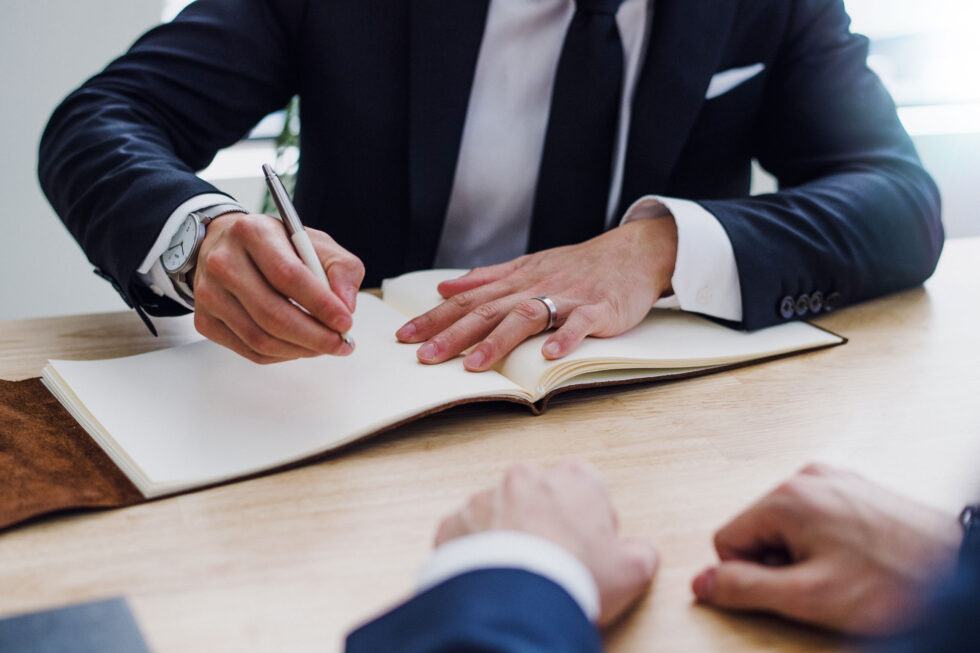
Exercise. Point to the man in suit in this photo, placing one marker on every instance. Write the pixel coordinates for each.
(535, 563)
(595, 155)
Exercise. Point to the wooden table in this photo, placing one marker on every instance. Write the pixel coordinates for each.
(290, 562)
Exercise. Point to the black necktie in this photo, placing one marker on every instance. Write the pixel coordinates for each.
(572, 194)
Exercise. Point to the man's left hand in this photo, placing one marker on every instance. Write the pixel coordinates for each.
(601, 287)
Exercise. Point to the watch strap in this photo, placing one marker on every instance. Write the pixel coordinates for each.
(204, 216)
(970, 521)
(209, 213)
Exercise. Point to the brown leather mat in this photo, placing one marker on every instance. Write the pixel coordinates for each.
(47, 461)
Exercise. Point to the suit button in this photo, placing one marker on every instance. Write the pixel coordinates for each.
(787, 308)
(832, 301)
(816, 302)
(802, 305)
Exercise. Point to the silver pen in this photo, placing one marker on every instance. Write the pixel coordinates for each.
(297, 234)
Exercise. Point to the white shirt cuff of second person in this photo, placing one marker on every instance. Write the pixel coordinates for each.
(151, 272)
(705, 276)
(512, 550)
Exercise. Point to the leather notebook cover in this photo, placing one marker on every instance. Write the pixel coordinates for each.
(48, 463)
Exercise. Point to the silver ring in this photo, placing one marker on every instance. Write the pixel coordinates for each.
(552, 311)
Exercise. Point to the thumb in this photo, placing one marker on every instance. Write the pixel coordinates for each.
(627, 580)
(748, 586)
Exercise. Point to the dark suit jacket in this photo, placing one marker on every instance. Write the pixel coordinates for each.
(502, 610)
(384, 86)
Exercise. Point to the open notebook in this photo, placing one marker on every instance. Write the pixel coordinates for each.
(199, 414)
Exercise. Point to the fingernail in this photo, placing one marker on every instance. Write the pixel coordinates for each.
(550, 350)
(428, 351)
(704, 585)
(475, 360)
(406, 332)
(350, 298)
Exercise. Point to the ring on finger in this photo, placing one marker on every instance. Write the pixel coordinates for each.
(552, 311)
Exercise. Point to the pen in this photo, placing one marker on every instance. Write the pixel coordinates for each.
(297, 234)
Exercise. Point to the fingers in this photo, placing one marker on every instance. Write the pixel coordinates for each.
(636, 563)
(216, 331)
(450, 528)
(446, 314)
(345, 272)
(251, 290)
(778, 522)
(285, 272)
(527, 318)
(269, 320)
(601, 287)
(240, 333)
(583, 321)
(475, 278)
(748, 586)
(497, 327)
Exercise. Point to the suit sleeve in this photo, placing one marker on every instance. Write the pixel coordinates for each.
(951, 623)
(856, 215)
(501, 610)
(119, 154)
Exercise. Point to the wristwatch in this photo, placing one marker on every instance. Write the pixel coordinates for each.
(181, 255)
(970, 521)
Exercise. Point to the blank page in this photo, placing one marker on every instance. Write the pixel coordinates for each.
(200, 413)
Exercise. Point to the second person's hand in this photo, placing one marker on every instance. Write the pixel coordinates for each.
(567, 505)
(830, 548)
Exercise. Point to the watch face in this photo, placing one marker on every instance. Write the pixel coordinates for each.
(181, 245)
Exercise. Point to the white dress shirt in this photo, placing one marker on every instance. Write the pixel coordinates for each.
(489, 214)
(512, 550)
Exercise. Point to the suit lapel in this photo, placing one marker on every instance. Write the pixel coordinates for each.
(684, 51)
(444, 43)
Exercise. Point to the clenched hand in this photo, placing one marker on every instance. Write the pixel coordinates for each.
(254, 295)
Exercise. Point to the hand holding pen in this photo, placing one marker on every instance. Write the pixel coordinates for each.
(297, 232)
(254, 294)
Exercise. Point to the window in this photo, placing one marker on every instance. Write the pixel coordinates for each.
(927, 53)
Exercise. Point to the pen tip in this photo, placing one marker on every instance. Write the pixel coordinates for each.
(349, 340)
(267, 169)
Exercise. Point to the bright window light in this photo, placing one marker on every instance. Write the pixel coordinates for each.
(173, 7)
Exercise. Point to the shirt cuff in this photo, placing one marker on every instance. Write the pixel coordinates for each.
(705, 275)
(512, 550)
(151, 271)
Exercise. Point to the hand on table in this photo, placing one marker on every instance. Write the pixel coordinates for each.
(601, 287)
(833, 549)
(246, 274)
(567, 505)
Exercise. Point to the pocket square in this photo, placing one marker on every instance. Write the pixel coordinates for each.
(726, 80)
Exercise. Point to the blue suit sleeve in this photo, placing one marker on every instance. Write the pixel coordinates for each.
(952, 622)
(856, 215)
(118, 155)
(501, 610)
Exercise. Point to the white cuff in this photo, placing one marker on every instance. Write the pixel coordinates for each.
(151, 271)
(512, 550)
(705, 276)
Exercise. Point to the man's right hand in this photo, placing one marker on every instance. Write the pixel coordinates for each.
(246, 274)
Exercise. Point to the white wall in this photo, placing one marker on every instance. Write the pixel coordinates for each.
(48, 47)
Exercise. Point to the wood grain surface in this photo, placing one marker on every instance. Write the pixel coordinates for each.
(291, 562)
